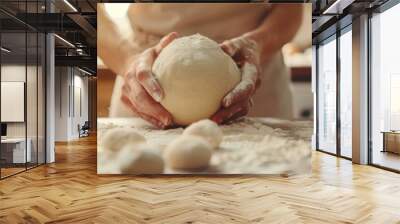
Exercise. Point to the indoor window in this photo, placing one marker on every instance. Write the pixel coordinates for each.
(346, 93)
(385, 88)
(327, 96)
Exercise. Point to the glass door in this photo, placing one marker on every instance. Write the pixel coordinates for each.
(22, 77)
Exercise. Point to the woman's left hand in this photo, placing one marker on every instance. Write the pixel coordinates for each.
(246, 53)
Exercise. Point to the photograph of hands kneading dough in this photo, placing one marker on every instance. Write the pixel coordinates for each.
(204, 88)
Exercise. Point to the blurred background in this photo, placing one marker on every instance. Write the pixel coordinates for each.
(297, 55)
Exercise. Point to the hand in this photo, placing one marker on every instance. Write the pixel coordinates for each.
(141, 92)
(246, 53)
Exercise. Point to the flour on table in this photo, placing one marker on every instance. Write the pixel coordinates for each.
(249, 146)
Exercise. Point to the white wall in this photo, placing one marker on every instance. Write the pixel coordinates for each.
(70, 83)
(33, 127)
(12, 73)
(61, 103)
(80, 84)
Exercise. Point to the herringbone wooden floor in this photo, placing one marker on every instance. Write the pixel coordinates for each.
(69, 191)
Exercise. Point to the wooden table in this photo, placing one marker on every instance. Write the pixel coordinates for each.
(391, 141)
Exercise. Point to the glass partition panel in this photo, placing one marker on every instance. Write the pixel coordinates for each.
(14, 150)
(22, 67)
(327, 96)
(346, 94)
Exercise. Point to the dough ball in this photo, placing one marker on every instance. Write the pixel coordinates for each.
(110, 167)
(195, 75)
(206, 129)
(140, 159)
(188, 152)
(116, 138)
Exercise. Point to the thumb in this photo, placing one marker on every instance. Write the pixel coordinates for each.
(230, 47)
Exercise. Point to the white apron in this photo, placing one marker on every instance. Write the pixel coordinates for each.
(222, 21)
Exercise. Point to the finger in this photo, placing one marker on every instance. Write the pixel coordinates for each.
(226, 114)
(230, 47)
(246, 86)
(144, 67)
(150, 119)
(125, 99)
(145, 76)
(238, 115)
(165, 41)
(145, 104)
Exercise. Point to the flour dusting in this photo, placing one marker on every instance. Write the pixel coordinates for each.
(249, 146)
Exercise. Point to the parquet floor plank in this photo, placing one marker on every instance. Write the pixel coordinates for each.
(70, 191)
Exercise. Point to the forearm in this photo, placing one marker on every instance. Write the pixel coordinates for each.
(113, 48)
(278, 28)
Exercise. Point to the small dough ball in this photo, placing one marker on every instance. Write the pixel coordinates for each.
(206, 129)
(140, 159)
(188, 152)
(116, 138)
(195, 74)
(110, 167)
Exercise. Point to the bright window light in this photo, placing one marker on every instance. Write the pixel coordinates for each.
(5, 50)
(84, 71)
(64, 40)
(70, 5)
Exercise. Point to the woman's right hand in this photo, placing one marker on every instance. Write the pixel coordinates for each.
(141, 92)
